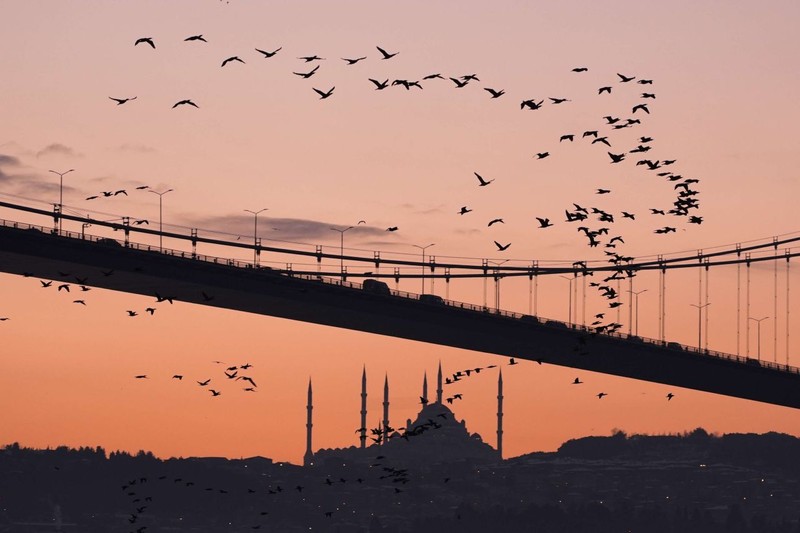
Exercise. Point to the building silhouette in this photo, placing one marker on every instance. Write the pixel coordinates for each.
(433, 435)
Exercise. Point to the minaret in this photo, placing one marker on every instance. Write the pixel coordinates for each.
(385, 408)
(308, 458)
(500, 415)
(363, 436)
(425, 386)
(439, 385)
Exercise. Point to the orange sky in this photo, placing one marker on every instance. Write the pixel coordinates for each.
(725, 109)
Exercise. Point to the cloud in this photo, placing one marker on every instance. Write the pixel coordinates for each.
(57, 149)
(138, 148)
(424, 210)
(8, 160)
(284, 229)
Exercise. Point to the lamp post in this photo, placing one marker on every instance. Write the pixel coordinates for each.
(700, 323)
(341, 248)
(160, 217)
(255, 233)
(570, 279)
(61, 194)
(758, 335)
(636, 304)
(497, 277)
(423, 248)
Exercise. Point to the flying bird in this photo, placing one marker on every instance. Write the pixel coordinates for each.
(603, 191)
(232, 58)
(580, 69)
(391, 228)
(569, 137)
(204, 383)
(121, 101)
(196, 38)
(185, 102)
(643, 107)
(148, 40)
(544, 222)
(483, 182)
(501, 247)
(557, 101)
(670, 396)
(268, 54)
(625, 79)
(142, 376)
(495, 93)
(306, 75)
(459, 83)
(495, 221)
(602, 90)
(616, 158)
(353, 61)
(323, 95)
(81, 302)
(601, 394)
(132, 313)
(311, 58)
(542, 155)
(577, 381)
(385, 54)
(214, 393)
(464, 210)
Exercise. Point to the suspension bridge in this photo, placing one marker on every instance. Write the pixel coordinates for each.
(325, 296)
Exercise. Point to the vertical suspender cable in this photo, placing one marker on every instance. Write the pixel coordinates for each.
(706, 304)
(775, 303)
(747, 305)
(738, 301)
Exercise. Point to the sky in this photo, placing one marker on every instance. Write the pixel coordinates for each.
(725, 110)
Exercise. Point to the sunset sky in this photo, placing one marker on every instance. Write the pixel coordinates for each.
(726, 82)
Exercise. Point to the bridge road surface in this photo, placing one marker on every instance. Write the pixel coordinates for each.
(262, 291)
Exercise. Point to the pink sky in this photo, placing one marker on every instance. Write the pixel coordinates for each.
(725, 109)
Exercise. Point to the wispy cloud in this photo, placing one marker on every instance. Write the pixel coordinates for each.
(57, 149)
(138, 148)
(288, 229)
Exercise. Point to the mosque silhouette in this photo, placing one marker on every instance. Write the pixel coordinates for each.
(435, 435)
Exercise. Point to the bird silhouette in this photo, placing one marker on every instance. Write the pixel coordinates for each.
(379, 86)
(385, 54)
(323, 95)
(81, 302)
(603, 140)
(177, 376)
(132, 313)
(580, 69)
(577, 381)
(602, 90)
(494, 93)
(601, 394)
(196, 38)
(603, 191)
(531, 104)
(269, 54)
(557, 101)
(150, 310)
(643, 107)
(232, 58)
(185, 102)
(147, 40)
(121, 101)
(433, 77)
(306, 75)
(670, 396)
(308, 59)
(464, 210)
(542, 155)
(616, 158)
(204, 383)
(513, 362)
(625, 79)
(64, 287)
(206, 297)
(459, 84)
(501, 248)
(569, 137)
(483, 182)
(353, 61)
(544, 222)
(391, 228)
(142, 376)
(214, 393)
(496, 221)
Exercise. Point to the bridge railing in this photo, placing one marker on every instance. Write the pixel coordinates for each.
(485, 310)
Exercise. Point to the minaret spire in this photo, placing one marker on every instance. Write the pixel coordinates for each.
(308, 458)
(385, 409)
(363, 426)
(425, 386)
(439, 384)
(500, 415)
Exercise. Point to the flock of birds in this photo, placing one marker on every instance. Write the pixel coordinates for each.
(231, 373)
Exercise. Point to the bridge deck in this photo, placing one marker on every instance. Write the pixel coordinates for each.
(327, 302)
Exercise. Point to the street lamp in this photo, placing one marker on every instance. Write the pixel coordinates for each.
(61, 194)
(636, 301)
(160, 217)
(423, 248)
(341, 248)
(699, 323)
(758, 322)
(255, 232)
(497, 277)
(570, 279)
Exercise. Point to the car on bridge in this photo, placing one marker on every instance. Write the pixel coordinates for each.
(375, 286)
(431, 299)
